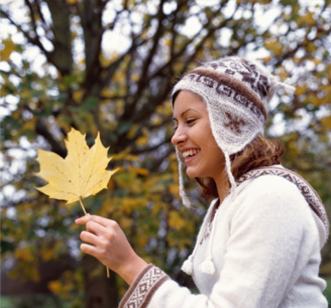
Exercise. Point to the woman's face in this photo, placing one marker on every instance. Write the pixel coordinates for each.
(194, 139)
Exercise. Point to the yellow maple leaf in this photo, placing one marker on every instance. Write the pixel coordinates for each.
(80, 174)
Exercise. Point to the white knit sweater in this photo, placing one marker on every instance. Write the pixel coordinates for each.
(264, 246)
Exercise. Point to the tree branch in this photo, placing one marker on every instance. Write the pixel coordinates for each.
(149, 149)
(61, 56)
(34, 41)
(42, 130)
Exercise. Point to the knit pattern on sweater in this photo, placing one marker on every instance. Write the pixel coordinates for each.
(143, 287)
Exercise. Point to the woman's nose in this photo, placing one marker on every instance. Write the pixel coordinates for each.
(178, 137)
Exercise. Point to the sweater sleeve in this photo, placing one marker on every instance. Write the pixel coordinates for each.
(143, 287)
(272, 238)
(153, 288)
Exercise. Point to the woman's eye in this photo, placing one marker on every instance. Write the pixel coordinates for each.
(190, 121)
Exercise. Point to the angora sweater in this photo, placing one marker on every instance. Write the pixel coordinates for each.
(261, 250)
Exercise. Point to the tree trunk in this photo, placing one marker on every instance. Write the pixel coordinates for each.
(100, 291)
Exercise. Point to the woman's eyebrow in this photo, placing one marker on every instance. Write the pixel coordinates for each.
(183, 113)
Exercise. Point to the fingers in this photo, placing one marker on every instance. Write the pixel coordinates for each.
(90, 240)
(90, 222)
(105, 222)
(96, 234)
(96, 228)
(102, 236)
(94, 245)
(98, 219)
(88, 237)
(91, 250)
(83, 220)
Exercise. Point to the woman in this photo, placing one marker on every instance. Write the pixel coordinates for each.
(259, 245)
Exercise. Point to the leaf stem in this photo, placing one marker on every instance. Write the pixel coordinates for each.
(82, 205)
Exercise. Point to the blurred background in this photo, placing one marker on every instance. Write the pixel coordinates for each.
(109, 66)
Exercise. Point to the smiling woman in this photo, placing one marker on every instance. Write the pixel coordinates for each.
(195, 142)
(259, 244)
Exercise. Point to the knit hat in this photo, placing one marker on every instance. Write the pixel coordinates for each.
(236, 92)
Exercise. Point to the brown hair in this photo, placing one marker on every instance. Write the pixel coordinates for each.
(258, 153)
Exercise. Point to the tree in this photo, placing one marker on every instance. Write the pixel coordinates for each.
(109, 66)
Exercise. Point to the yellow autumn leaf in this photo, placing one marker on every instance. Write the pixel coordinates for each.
(174, 189)
(81, 174)
(78, 95)
(175, 221)
(326, 121)
(142, 241)
(140, 171)
(9, 47)
(55, 286)
(300, 90)
(275, 46)
(24, 253)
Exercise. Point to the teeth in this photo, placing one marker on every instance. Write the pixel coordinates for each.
(190, 153)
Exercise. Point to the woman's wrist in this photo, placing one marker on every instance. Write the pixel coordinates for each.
(132, 269)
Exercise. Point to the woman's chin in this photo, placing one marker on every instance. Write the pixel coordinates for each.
(192, 174)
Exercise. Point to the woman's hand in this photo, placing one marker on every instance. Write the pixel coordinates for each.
(105, 240)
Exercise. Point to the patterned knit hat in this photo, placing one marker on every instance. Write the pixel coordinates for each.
(236, 92)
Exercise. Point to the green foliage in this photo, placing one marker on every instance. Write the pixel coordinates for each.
(35, 300)
(63, 68)
(327, 291)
